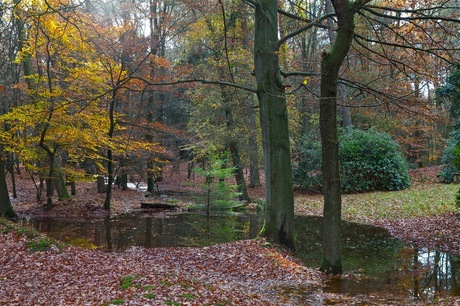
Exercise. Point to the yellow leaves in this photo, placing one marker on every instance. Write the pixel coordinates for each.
(306, 80)
(80, 69)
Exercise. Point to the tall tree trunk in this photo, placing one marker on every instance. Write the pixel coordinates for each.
(254, 174)
(108, 192)
(330, 65)
(279, 218)
(6, 210)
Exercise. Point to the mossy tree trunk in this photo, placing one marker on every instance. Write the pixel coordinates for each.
(59, 180)
(279, 219)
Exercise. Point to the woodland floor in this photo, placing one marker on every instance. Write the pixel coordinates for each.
(240, 273)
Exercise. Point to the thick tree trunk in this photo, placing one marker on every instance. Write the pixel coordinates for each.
(239, 176)
(150, 177)
(6, 210)
(59, 180)
(330, 65)
(100, 184)
(279, 219)
(73, 188)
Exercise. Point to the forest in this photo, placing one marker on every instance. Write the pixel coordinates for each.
(340, 109)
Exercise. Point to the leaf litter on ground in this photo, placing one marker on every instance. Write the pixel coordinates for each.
(239, 273)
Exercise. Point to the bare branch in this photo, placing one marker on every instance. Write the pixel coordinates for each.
(316, 22)
(201, 81)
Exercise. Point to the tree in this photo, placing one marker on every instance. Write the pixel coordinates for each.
(279, 220)
(76, 74)
(345, 12)
(331, 61)
(6, 210)
(219, 113)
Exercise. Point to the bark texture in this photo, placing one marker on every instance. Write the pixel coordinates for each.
(279, 220)
(330, 65)
(6, 210)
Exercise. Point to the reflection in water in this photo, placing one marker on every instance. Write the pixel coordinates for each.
(378, 265)
(149, 229)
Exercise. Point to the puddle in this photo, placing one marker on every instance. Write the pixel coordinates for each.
(376, 264)
(380, 265)
(151, 229)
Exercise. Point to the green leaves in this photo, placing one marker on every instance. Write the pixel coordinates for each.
(369, 160)
(216, 191)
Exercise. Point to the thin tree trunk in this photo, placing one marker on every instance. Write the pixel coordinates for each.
(13, 176)
(50, 183)
(108, 192)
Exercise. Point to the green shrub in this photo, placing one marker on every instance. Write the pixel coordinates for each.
(307, 165)
(369, 160)
(450, 157)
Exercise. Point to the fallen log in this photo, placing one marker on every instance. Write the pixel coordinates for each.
(158, 205)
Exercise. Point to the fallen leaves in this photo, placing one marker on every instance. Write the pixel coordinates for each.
(434, 232)
(240, 273)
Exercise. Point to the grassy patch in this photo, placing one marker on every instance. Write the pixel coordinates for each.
(6, 226)
(36, 242)
(166, 283)
(421, 200)
(117, 302)
(188, 296)
(40, 244)
(127, 281)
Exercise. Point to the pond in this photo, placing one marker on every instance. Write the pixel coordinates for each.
(387, 268)
(378, 264)
(151, 229)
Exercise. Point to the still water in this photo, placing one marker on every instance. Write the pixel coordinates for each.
(151, 229)
(378, 264)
